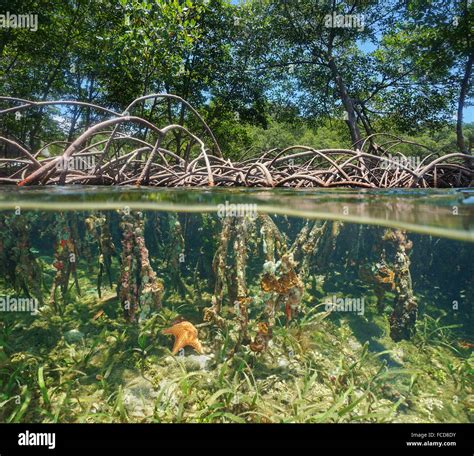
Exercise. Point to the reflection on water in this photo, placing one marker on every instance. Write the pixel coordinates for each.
(442, 212)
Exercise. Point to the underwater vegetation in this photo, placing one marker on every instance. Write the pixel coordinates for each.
(274, 319)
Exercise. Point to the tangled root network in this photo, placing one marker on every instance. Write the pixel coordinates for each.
(125, 149)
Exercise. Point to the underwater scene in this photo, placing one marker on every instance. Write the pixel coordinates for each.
(236, 305)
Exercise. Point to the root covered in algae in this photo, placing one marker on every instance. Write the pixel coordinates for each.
(65, 259)
(391, 274)
(405, 311)
(98, 228)
(139, 288)
(18, 263)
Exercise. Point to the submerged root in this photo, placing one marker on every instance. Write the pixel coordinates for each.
(280, 284)
(285, 282)
(272, 239)
(65, 260)
(405, 309)
(175, 252)
(392, 273)
(219, 267)
(17, 262)
(138, 288)
(242, 228)
(98, 228)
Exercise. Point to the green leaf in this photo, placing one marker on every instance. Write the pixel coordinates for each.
(42, 386)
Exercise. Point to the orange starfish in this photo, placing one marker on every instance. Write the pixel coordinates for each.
(185, 334)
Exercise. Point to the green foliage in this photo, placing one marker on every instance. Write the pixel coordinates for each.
(265, 73)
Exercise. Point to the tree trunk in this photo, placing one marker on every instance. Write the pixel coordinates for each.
(462, 98)
(346, 101)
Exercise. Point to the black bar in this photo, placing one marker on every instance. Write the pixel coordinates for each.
(81, 437)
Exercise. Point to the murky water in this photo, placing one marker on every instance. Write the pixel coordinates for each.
(199, 305)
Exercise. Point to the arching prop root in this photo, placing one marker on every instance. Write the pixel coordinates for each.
(138, 287)
(138, 158)
(144, 158)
